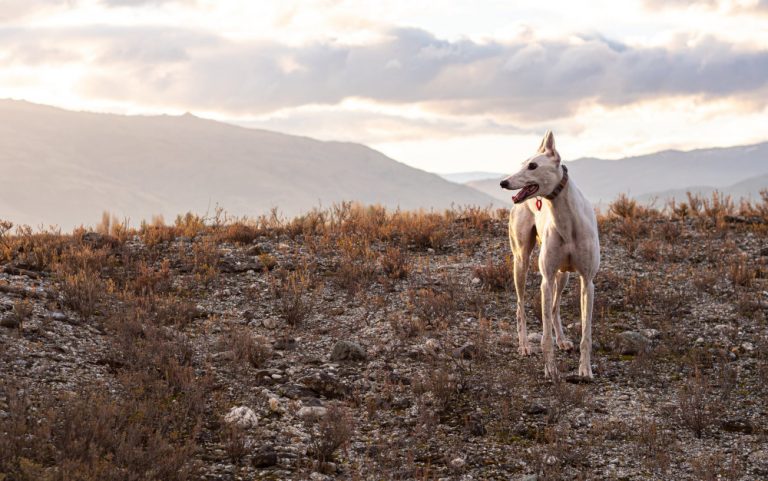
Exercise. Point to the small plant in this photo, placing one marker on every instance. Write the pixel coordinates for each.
(330, 432)
(696, 405)
(247, 348)
(432, 306)
(22, 311)
(496, 276)
(740, 272)
(294, 295)
(395, 263)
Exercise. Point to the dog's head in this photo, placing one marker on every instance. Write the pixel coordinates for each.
(539, 174)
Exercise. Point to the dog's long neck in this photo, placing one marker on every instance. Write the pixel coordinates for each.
(563, 208)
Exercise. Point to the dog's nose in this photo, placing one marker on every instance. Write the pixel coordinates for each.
(504, 184)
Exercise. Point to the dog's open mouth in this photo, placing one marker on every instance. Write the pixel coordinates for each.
(525, 193)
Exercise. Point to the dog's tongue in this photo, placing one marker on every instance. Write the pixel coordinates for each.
(525, 192)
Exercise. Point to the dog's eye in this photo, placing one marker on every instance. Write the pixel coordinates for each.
(532, 165)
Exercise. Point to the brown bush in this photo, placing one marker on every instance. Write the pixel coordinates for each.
(329, 433)
(79, 276)
(496, 276)
(395, 262)
(294, 294)
(247, 348)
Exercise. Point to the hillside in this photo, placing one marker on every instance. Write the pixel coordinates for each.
(747, 189)
(662, 174)
(64, 168)
(380, 346)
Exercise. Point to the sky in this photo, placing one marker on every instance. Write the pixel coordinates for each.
(445, 86)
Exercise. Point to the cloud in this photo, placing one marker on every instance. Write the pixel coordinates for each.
(758, 6)
(13, 10)
(523, 80)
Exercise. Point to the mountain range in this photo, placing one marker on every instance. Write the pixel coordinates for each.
(65, 168)
(740, 171)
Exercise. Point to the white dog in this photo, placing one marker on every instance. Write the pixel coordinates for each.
(550, 206)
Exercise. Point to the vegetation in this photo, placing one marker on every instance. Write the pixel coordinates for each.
(147, 337)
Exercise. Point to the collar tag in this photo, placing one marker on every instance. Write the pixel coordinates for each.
(538, 203)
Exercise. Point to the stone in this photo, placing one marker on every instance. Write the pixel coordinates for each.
(264, 457)
(325, 384)
(652, 334)
(269, 322)
(432, 346)
(312, 412)
(534, 337)
(242, 416)
(9, 320)
(274, 405)
(632, 342)
(348, 351)
(458, 463)
(748, 346)
(738, 426)
(467, 351)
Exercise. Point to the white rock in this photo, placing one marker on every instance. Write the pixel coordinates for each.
(243, 416)
(700, 340)
(269, 322)
(312, 412)
(458, 463)
(534, 337)
(748, 346)
(432, 346)
(475, 280)
(274, 405)
(651, 333)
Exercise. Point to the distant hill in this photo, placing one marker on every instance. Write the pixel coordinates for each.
(746, 189)
(466, 177)
(737, 170)
(65, 168)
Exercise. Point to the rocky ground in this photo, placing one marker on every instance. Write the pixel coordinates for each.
(360, 344)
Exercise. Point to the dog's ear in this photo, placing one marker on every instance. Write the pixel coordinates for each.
(548, 145)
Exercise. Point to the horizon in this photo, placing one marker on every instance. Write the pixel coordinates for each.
(469, 87)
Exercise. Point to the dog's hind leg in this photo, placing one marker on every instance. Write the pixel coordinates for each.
(563, 342)
(587, 299)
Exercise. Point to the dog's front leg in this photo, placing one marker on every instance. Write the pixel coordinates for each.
(587, 299)
(521, 268)
(547, 346)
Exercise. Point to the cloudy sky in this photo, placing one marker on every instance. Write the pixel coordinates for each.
(445, 86)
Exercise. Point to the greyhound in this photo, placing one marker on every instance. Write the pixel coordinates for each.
(565, 224)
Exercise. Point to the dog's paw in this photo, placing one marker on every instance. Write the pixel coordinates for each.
(564, 344)
(585, 371)
(525, 349)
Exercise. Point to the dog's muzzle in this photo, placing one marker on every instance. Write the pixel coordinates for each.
(504, 184)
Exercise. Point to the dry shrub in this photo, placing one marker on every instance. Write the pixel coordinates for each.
(238, 233)
(111, 226)
(235, 442)
(205, 260)
(496, 276)
(441, 383)
(649, 250)
(653, 445)
(22, 311)
(295, 297)
(639, 291)
(716, 208)
(697, 406)
(79, 275)
(395, 263)
(34, 251)
(149, 280)
(357, 264)
(247, 348)
(330, 432)
(190, 225)
(740, 271)
(432, 306)
(156, 232)
(5, 241)
(406, 327)
(623, 207)
(565, 398)
(718, 466)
